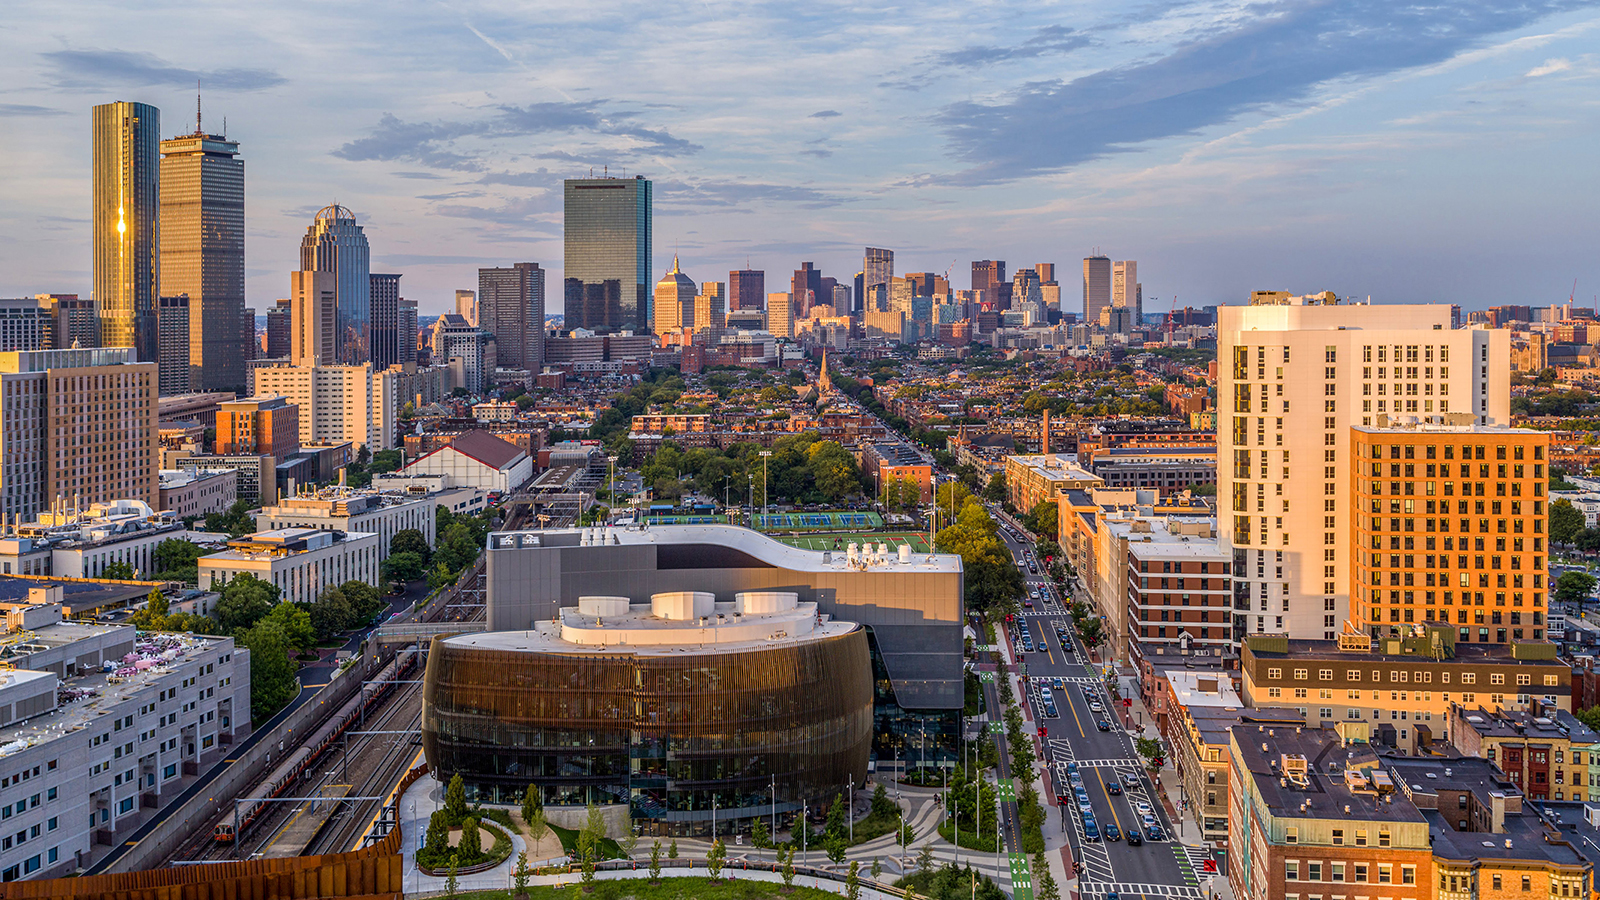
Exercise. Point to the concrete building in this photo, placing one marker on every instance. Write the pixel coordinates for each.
(477, 459)
(266, 424)
(1126, 292)
(172, 342)
(334, 244)
(469, 351)
(202, 255)
(256, 474)
(25, 324)
(780, 315)
(280, 329)
(1033, 479)
(510, 306)
(313, 313)
(1164, 469)
(1203, 709)
(102, 744)
(74, 322)
(1096, 287)
(336, 403)
(384, 291)
(1295, 374)
(1403, 687)
(1175, 585)
(126, 234)
(1541, 750)
(80, 544)
(467, 306)
(301, 562)
(747, 290)
(340, 509)
(197, 492)
(1409, 499)
(888, 461)
(673, 308)
(78, 425)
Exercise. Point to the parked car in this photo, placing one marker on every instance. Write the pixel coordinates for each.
(1091, 831)
(1113, 788)
(1102, 724)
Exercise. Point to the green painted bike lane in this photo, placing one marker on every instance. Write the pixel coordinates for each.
(1021, 877)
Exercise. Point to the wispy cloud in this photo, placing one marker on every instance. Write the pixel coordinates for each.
(119, 68)
(825, 114)
(24, 109)
(1047, 41)
(1550, 67)
(1278, 55)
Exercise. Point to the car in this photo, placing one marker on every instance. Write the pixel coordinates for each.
(1091, 831)
(1085, 808)
(1102, 724)
(1027, 604)
(1058, 684)
(1134, 838)
(1130, 779)
(1143, 809)
(1045, 693)
(1111, 832)
(1113, 788)
(1095, 706)
(1155, 832)
(1033, 569)
(1072, 767)
(1050, 711)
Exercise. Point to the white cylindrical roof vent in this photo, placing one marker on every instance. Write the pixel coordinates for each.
(905, 553)
(850, 552)
(883, 551)
(758, 603)
(603, 606)
(683, 606)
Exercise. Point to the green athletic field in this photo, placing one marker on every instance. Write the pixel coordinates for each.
(918, 542)
(820, 521)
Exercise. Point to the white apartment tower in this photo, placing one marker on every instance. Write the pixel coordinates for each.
(1294, 374)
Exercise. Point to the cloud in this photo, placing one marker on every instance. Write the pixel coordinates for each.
(116, 68)
(825, 114)
(24, 109)
(453, 195)
(1550, 67)
(432, 144)
(540, 178)
(1278, 55)
(430, 176)
(818, 153)
(730, 194)
(1047, 41)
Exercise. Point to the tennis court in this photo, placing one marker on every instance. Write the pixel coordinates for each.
(918, 542)
(687, 520)
(820, 521)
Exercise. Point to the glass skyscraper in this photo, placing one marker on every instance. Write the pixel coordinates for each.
(334, 243)
(127, 234)
(607, 259)
(202, 253)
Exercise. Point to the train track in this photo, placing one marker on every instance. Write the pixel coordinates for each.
(372, 770)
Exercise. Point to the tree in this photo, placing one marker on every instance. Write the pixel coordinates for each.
(331, 613)
(1574, 587)
(404, 567)
(925, 857)
(786, 857)
(1589, 717)
(877, 868)
(455, 799)
(272, 672)
(117, 571)
(1042, 519)
(835, 847)
(1047, 888)
(537, 825)
(882, 806)
(451, 882)
(438, 832)
(521, 875)
(294, 623)
(532, 802)
(672, 849)
(655, 861)
(715, 858)
(588, 854)
(236, 522)
(245, 600)
(852, 881)
(1149, 748)
(1566, 521)
(365, 600)
(471, 844)
(410, 540)
(758, 834)
(995, 490)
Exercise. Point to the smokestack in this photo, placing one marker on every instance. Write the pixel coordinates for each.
(1045, 443)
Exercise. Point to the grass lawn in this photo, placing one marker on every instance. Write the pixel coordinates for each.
(569, 843)
(917, 540)
(876, 826)
(700, 887)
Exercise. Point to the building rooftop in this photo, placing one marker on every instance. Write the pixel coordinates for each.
(1518, 833)
(1302, 772)
(1196, 689)
(1055, 467)
(1464, 653)
(1213, 722)
(1169, 537)
(1452, 423)
(1548, 723)
(280, 543)
(719, 539)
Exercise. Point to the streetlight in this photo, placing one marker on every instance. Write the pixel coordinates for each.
(611, 486)
(765, 455)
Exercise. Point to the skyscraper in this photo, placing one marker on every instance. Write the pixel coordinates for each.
(385, 293)
(335, 244)
(510, 306)
(673, 305)
(1096, 287)
(314, 314)
(202, 252)
(1125, 290)
(710, 308)
(406, 326)
(607, 254)
(126, 214)
(987, 276)
(25, 324)
(467, 306)
(173, 324)
(73, 321)
(805, 286)
(877, 267)
(280, 328)
(747, 289)
(1294, 375)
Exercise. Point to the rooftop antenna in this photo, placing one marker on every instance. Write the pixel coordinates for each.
(197, 106)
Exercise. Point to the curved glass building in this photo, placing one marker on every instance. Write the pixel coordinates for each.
(686, 709)
(335, 243)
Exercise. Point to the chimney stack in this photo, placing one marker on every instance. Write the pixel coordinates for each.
(1045, 441)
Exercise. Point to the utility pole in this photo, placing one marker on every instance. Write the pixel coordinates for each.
(765, 518)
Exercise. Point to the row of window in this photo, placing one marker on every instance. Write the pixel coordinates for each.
(1402, 676)
(1360, 873)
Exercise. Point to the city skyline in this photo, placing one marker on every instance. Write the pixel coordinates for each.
(1343, 148)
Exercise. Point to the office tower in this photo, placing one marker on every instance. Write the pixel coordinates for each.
(25, 324)
(202, 252)
(858, 299)
(1096, 287)
(336, 403)
(1297, 373)
(805, 286)
(280, 328)
(780, 315)
(73, 321)
(256, 425)
(1446, 464)
(76, 425)
(921, 283)
(825, 288)
(877, 267)
(1047, 272)
(674, 301)
(406, 325)
(1125, 289)
(841, 300)
(314, 315)
(710, 308)
(468, 350)
(127, 236)
(467, 306)
(987, 276)
(607, 254)
(384, 291)
(510, 306)
(251, 348)
(334, 244)
(173, 326)
(747, 289)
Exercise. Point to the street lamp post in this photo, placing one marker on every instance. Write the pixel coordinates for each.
(611, 486)
(765, 520)
(774, 810)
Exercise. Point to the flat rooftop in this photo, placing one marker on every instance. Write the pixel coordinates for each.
(1262, 748)
(547, 637)
(1524, 835)
(1055, 467)
(1465, 653)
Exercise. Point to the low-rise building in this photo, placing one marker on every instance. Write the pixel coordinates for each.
(343, 509)
(1201, 710)
(75, 544)
(1403, 687)
(1179, 589)
(257, 475)
(1165, 469)
(301, 562)
(477, 459)
(1546, 753)
(893, 461)
(198, 492)
(1032, 479)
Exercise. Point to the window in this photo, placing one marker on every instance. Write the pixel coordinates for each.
(1313, 871)
(1291, 869)
(1325, 674)
(1291, 835)
(1361, 837)
(1300, 674)
(1383, 838)
(1338, 837)
(1408, 875)
(1385, 873)
(1358, 872)
(1497, 678)
(1274, 674)
(1496, 881)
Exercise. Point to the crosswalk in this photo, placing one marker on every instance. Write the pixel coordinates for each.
(1096, 890)
(1122, 764)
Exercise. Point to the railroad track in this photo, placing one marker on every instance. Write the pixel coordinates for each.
(374, 768)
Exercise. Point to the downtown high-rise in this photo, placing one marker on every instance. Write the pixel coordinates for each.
(385, 297)
(989, 276)
(202, 255)
(126, 240)
(607, 246)
(877, 270)
(334, 244)
(1096, 287)
(747, 289)
(510, 306)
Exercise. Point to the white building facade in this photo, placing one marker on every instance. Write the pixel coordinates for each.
(301, 562)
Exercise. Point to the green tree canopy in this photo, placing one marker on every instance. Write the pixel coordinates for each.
(992, 580)
(1573, 587)
(1566, 521)
(177, 560)
(245, 600)
(272, 672)
(410, 540)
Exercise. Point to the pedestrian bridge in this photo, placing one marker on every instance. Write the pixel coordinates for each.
(423, 632)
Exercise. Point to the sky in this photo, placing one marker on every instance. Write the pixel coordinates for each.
(1412, 153)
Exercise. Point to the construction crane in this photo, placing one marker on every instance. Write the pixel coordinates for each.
(1172, 315)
